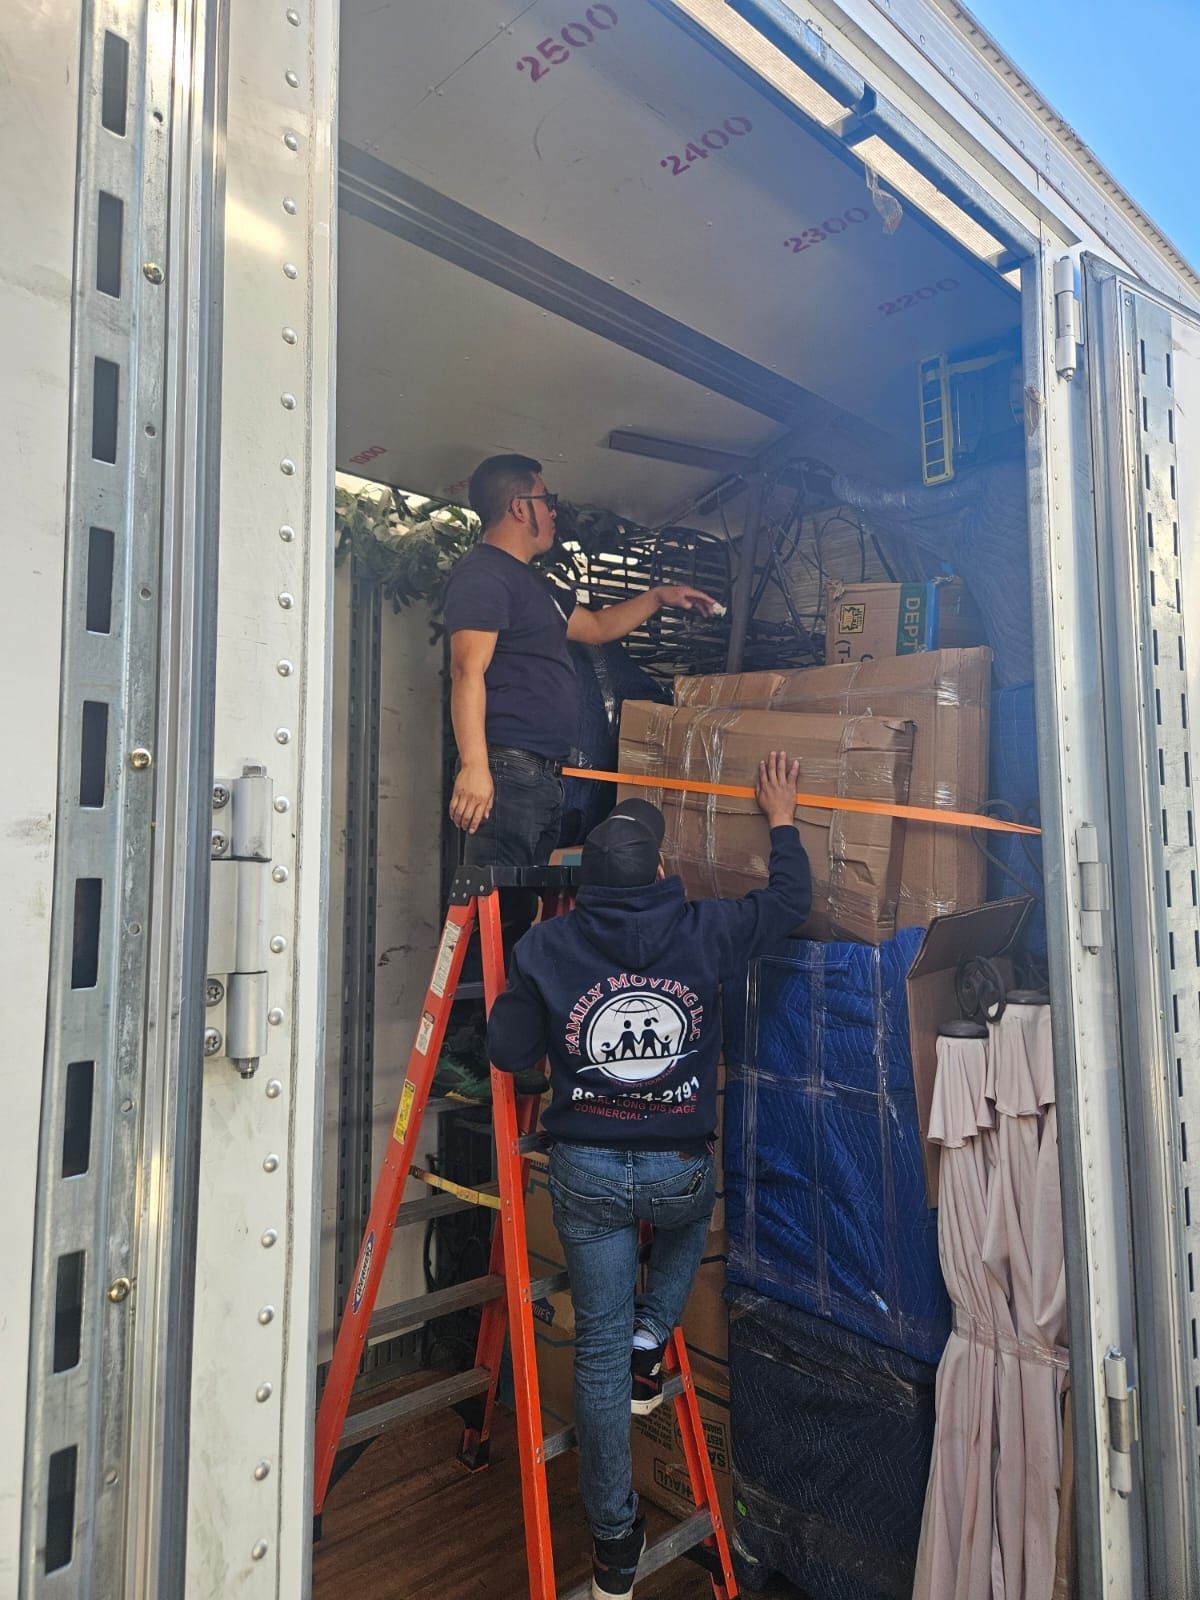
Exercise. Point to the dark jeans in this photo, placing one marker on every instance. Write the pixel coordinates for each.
(521, 831)
(600, 1195)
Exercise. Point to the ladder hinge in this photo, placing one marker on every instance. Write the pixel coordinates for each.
(1067, 328)
(236, 990)
(1094, 896)
(1122, 1422)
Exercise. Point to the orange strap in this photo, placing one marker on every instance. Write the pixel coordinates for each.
(822, 802)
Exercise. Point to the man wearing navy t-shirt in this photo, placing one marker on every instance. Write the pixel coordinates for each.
(513, 696)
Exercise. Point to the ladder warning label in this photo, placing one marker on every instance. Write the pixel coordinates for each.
(407, 1095)
(424, 1032)
(445, 957)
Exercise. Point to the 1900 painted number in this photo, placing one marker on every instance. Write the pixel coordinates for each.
(553, 52)
(906, 302)
(709, 143)
(830, 227)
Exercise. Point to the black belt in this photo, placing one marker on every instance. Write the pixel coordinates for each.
(544, 764)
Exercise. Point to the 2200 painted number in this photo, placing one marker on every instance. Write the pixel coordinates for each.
(712, 141)
(553, 52)
(828, 229)
(906, 302)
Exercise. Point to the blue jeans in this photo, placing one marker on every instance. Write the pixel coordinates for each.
(600, 1195)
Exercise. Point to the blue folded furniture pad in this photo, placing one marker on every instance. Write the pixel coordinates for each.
(825, 1186)
(832, 1436)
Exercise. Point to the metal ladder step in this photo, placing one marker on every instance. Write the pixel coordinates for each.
(442, 1205)
(433, 1397)
(386, 1324)
(557, 1444)
(661, 1553)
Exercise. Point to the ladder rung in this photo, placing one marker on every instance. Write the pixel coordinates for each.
(424, 1307)
(433, 1397)
(540, 1288)
(662, 1552)
(458, 1297)
(557, 1444)
(442, 1205)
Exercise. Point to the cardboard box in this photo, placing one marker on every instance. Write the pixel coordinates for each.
(989, 931)
(660, 1472)
(556, 1379)
(706, 1321)
(867, 621)
(946, 695)
(718, 844)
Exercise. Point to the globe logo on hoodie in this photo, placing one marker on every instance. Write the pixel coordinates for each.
(636, 1038)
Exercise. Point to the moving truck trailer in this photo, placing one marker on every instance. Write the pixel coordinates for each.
(649, 242)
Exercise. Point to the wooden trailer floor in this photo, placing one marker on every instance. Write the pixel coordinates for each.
(408, 1523)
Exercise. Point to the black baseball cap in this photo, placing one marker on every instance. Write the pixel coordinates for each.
(622, 851)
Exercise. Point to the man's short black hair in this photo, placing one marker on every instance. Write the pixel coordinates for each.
(497, 482)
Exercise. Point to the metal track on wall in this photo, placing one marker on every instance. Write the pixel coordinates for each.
(1139, 420)
(358, 941)
(74, 1515)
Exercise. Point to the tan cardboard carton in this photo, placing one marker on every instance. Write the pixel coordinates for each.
(870, 621)
(946, 695)
(660, 1472)
(719, 844)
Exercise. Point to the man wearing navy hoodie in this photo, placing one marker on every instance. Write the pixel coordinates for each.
(621, 996)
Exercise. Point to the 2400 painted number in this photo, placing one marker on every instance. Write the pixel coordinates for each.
(709, 143)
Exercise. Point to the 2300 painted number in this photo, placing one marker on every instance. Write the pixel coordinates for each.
(827, 230)
(906, 302)
(553, 52)
(709, 143)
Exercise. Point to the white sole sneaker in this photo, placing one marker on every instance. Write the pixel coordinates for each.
(643, 1408)
(618, 1594)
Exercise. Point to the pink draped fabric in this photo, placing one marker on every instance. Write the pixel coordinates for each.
(991, 1511)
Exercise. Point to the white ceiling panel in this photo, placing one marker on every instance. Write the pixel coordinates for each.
(438, 369)
(579, 156)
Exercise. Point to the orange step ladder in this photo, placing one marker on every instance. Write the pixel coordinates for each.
(506, 1292)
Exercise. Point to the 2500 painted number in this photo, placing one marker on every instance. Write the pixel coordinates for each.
(552, 52)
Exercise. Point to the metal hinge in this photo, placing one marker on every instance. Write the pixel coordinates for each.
(1094, 896)
(236, 990)
(1067, 335)
(1122, 1422)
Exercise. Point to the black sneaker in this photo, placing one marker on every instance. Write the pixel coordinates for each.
(615, 1563)
(647, 1379)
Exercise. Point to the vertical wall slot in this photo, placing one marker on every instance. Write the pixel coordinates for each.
(101, 552)
(68, 1311)
(85, 951)
(93, 753)
(77, 1118)
(110, 223)
(106, 399)
(114, 90)
(60, 1509)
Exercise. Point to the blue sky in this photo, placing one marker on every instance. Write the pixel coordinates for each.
(1126, 75)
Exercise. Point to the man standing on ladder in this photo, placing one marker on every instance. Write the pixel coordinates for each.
(513, 698)
(633, 1133)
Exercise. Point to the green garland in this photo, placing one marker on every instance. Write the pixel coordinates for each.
(409, 546)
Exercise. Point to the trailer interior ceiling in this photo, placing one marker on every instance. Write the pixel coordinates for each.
(565, 220)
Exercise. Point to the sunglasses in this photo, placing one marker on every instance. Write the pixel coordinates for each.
(550, 499)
